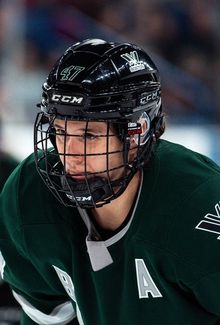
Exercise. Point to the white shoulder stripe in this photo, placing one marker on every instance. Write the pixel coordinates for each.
(61, 315)
(2, 265)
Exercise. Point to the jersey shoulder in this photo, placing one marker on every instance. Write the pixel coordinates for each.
(7, 165)
(25, 199)
(181, 159)
(177, 174)
(181, 172)
(183, 193)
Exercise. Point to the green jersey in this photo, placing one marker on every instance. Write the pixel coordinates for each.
(7, 165)
(162, 267)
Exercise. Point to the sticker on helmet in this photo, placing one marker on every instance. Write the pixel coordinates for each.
(134, 128)
(139, 131)
(71, 72)
(133, 60)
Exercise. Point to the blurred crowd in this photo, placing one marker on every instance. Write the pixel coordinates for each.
(186, 34)
(181, 35)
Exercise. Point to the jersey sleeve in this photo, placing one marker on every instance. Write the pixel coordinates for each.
(40, 301)
(195, 241)
(207, 230)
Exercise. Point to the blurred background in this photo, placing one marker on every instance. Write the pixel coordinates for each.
(182, 36)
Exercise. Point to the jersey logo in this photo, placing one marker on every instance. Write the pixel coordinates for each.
(211, 222)
(71, 72)
(133, 60)
(145, 283)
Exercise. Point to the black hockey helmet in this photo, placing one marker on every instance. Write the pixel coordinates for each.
(95, 80)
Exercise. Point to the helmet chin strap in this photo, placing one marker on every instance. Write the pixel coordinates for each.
(87, 193)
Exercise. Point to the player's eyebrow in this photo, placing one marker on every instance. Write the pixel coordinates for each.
(57, 125)
(94, 129)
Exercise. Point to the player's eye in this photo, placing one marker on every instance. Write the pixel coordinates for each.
(89, 136)
(60, 131)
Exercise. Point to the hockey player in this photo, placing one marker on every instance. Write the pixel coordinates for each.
(122, 227)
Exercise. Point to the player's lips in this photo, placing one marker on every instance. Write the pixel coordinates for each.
(78, 175)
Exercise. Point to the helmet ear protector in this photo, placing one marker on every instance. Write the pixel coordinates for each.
(98, 81)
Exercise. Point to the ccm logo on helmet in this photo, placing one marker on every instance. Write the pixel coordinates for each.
(148, 97)
(66, 99)
(79, 198)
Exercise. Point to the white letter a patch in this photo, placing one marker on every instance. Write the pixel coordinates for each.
(145, 282)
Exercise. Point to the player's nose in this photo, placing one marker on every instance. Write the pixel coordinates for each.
(74, 155)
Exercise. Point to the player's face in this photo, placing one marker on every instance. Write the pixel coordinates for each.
(83, 148)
